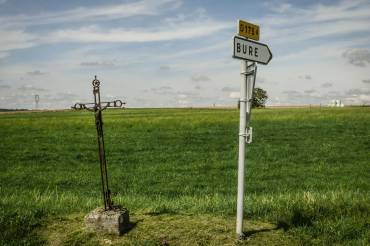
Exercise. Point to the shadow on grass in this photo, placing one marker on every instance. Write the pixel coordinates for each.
(131, 225)
(161, 212)
(250, 233)
(297, 218)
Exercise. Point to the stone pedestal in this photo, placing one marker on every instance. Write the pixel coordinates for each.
(115, 221)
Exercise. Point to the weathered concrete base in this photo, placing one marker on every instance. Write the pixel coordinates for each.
(115, 221)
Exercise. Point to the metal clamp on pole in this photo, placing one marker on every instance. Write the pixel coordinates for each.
(244, 100)
(251, 65)
(243, 131)
(250, 70)
(249, 73)
(248, 133)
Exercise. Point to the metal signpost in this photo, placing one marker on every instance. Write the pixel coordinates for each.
(97, 107)
(246, 50)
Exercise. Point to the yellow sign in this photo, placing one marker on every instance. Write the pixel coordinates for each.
(248, 30)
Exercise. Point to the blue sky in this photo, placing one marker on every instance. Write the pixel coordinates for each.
(177, 53)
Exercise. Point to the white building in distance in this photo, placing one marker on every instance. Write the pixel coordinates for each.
(336, 103)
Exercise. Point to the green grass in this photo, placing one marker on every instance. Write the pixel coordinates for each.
(307, 176)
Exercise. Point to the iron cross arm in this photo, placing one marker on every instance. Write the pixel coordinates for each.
(101, 107)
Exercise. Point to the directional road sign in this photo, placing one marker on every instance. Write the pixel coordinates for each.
(248, 30)
(249, 50)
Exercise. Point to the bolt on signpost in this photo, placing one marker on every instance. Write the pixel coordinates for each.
(246, 50)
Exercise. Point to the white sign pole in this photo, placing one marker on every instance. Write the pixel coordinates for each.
(242, 141)
(246, 50)
(248, 74)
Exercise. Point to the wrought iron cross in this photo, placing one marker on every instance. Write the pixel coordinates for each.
(97, 107)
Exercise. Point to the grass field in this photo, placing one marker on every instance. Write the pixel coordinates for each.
(307, 176)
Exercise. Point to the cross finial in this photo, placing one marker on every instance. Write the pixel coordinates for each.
(96, 83)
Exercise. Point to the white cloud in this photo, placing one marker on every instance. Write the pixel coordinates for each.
(306, 77)
(288, 34)
(183, 30)
(228, 89)
(357, 57)
(344, 10)
(183, 103)
(193, 25)
(3, 54)
(31, 88)
(164, 67)
(97, 64)
(292, 24)
(15, 39)
(357, 99)
(201, 77)
(36, 73)
(234, 94)
(91, 13)
(327, 85)
(5, 86)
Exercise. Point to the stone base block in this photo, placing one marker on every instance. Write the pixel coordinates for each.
(114, 221)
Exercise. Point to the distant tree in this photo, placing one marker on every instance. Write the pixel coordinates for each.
(259, 98)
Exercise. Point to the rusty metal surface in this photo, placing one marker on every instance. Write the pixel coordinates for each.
(97, 107)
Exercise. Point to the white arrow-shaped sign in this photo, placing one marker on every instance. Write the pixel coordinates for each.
(246, 49)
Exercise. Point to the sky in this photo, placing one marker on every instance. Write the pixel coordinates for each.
(177, 53)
